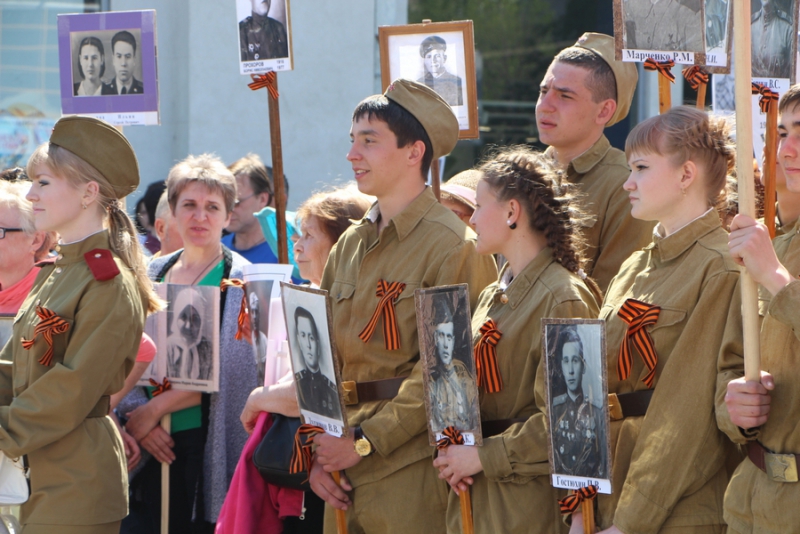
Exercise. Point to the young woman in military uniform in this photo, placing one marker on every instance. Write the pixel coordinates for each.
(673, 330)
(522, 214)
(76, 335)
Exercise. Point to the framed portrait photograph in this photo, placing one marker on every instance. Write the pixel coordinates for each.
(265, 36)
(660, 29)
(186, 338)
(448, 364)
(440, 55)
(314, 363)
(6, 327)
(107, 66)
(718, 24)
(577, 402)
(773, 45)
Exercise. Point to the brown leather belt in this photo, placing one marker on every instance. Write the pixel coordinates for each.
(101, 408)
(498, 426)
(373, 390)
(778, 467)
(624, 405)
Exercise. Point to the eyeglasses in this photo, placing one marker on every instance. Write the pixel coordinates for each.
(240, 200)
(4, 230)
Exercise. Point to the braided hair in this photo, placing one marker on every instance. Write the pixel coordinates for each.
(527, 176)
(685, 133)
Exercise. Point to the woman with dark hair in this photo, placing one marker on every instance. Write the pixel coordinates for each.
(91, 65)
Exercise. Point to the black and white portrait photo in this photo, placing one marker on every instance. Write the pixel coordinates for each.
(773, 31)
(451, 395)
(107, 62)
(258, 301)
(439, 55)
(313, 364)
(6, 326)
(190, 333)
(577, 398)
(663, 25)
(264, 35)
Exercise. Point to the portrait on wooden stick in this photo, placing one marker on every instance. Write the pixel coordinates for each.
(445, 344)
(773, 40)
(440, 55)
(265, 36)
(577, 393)
(314, 363)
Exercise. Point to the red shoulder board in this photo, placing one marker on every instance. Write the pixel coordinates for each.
(102, 264)
(47, 261)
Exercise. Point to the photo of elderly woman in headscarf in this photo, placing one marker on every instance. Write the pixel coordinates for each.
(91, 66)
(190, 352)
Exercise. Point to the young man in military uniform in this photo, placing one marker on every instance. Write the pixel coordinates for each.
(763, 492)
(316, 392)
(261, 36)
(585, 90)
(432, 51)
(771, 39)
(406, 241)
(578, 435)
(123, 54)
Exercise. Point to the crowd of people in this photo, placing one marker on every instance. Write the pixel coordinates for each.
(640, 238)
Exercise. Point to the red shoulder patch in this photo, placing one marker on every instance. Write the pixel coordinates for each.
(47, 261)
(102, 264)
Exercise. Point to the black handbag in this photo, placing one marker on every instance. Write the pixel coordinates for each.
(274, 454)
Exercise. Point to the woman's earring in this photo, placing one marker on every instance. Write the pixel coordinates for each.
(84, 206)
(511, 225)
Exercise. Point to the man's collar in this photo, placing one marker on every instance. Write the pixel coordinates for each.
(407, 219)
(589, 159)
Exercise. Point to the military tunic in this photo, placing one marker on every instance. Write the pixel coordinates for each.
(610, 232)
(315, 390)
(454, 393)
(447, 85)
(513, 492)
(668, 467)
(771, 44)
(753, 502)
(262, 37)
(110, 88)
(78, 471)
(579, 441)
(424, 246)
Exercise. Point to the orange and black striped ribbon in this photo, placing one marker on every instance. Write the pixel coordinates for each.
(768, 98)
(243, 330)
(49, 324)
(638, 315)
(661, 66)
(265, 80)
(452, 436)
(301, 452)
(166, 385)
(387, 293)
(572, 502)
(695, 76)
(487, 370)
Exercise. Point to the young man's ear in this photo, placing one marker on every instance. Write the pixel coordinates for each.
(607, 110)
(416, 153)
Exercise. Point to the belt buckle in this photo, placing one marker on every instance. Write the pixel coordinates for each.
(781, 467)
(350, 392)
(614, 407)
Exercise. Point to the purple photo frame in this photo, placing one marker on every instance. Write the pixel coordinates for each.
(122, 110)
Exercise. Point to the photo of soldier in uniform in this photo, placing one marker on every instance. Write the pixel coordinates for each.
(716, 23)
(433, 51)
(258, 300)
(773, 28)
(577, 414)
(451, 395)
(314, 363)
(663, 25)
(190, 333)
(125, 60)
(106, 62)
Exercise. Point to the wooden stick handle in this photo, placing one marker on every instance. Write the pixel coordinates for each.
(341, 520)
(587, 508)
(435, 180)
(770, 163)
(664, 95)
(701, 96)
(166, 423)
(277, 174)
(466, 512)
(744, 173)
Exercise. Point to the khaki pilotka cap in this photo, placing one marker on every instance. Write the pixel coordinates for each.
(625, 73)
(430, 110)
(462, 187)
(103, 147)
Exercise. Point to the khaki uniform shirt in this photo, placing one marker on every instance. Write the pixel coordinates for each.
(513, 493)
(668, 467)
(78, 471)
(610, 232)
(424, 246)
(753, 502)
